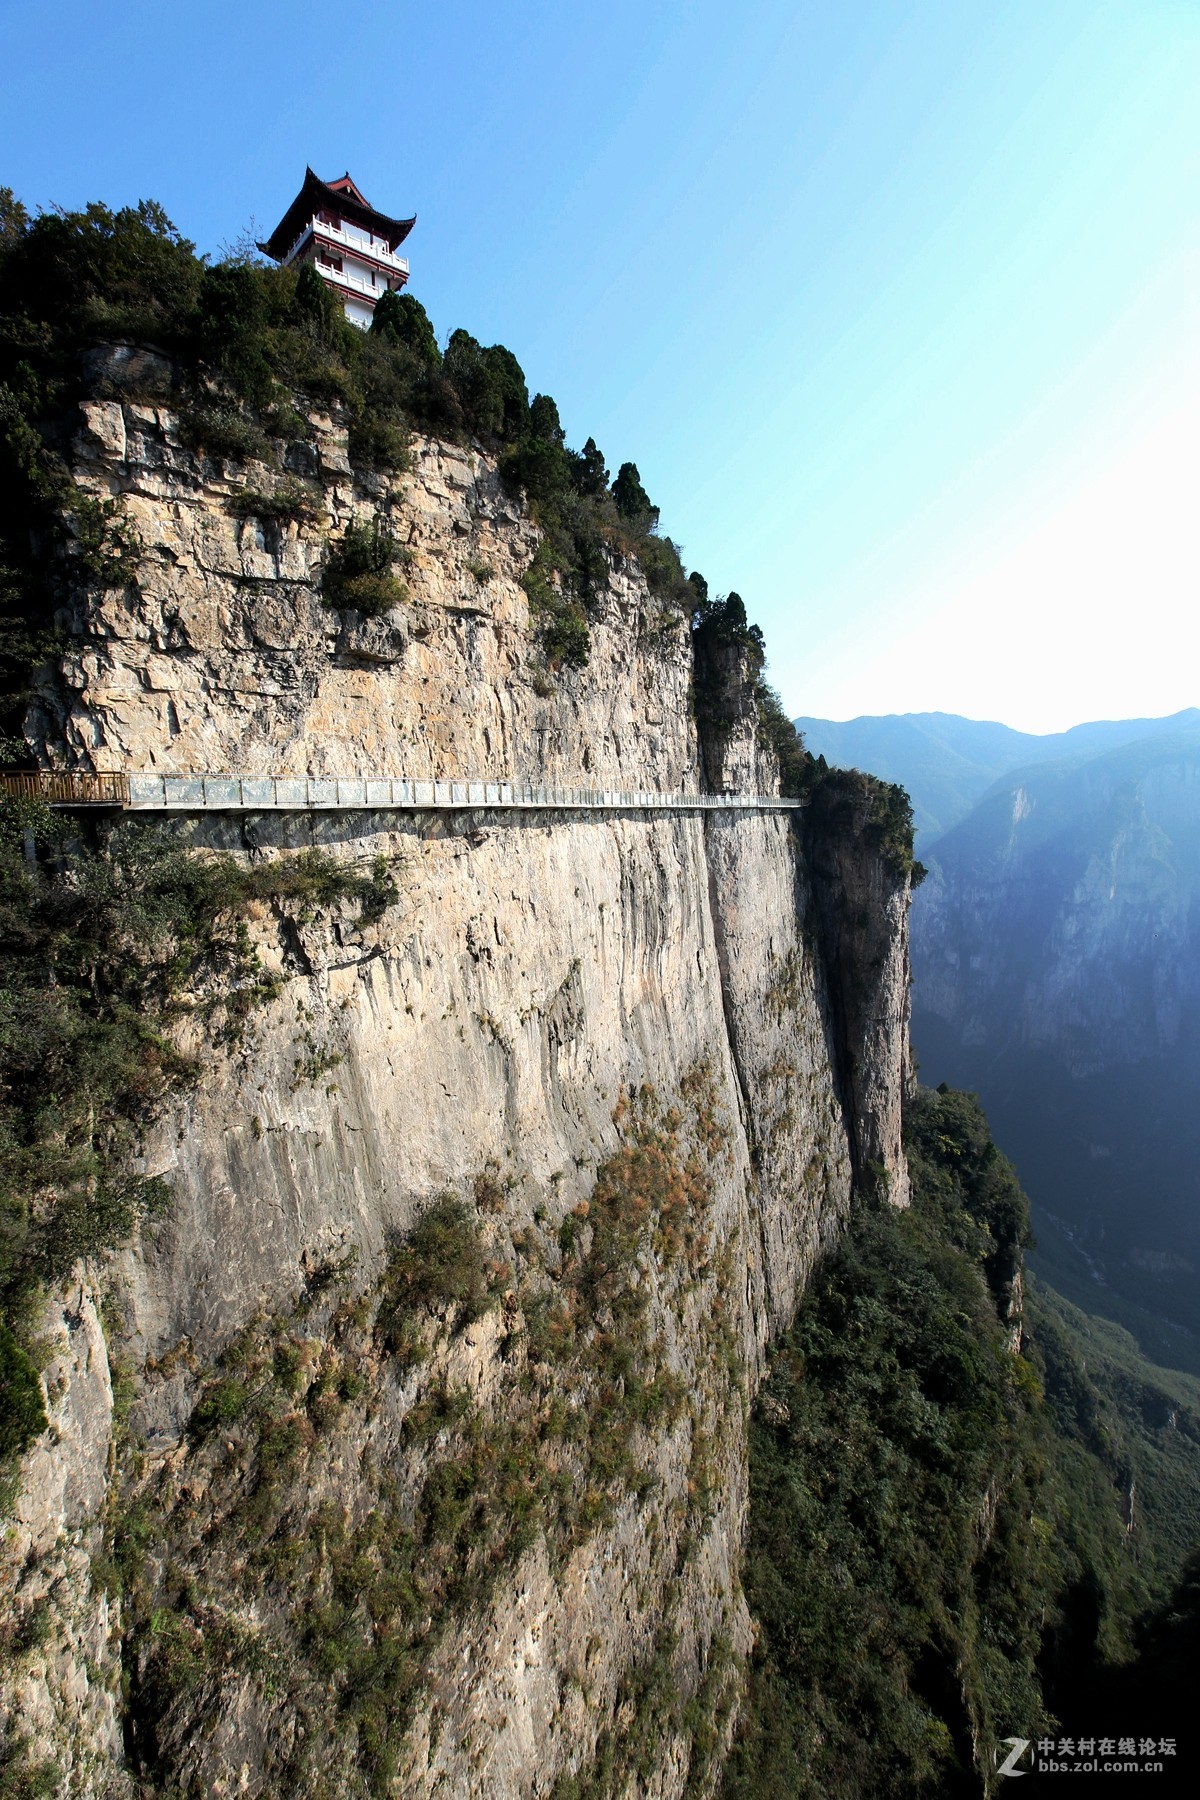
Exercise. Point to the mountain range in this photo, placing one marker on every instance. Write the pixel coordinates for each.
(947, 763)
(1056, 963)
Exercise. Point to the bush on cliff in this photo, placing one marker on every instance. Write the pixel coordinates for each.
(401, 319)
(960, 1569)
(359, 571)
(102, 948)
(850, 800)
(866, 1570)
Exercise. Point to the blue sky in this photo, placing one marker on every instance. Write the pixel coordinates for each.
(895, 306)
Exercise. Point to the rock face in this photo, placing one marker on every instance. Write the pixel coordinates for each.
(861, 917)
(228, 661)
(364, 1522)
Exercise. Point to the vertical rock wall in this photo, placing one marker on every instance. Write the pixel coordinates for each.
(862, 894)
(338, 1536)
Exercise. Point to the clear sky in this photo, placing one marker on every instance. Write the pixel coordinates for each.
(894, 305)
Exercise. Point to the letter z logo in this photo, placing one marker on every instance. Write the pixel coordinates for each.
(1019, 1747)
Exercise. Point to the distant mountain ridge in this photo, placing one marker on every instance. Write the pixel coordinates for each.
(947, 762)
(1056, 958)
(1056, 962)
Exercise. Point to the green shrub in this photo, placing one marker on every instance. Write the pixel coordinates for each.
(107, 548)
(221, 1405)
(22, 1776)
(222, 429)
(848, 799)
(291, 499)
(318, 308)
(359, 571)
(441, 1263)
(401, 319)
(22, 1412)
(380, 443)
(557, 616)
(777, 731)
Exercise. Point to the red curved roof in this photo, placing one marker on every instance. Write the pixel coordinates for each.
(341, 197)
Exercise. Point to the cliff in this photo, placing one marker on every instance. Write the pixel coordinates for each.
(407, 1451)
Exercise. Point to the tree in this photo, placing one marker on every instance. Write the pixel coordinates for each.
(491, 386)
(544, 422)
(632, 500)
(231, 328)
(129, 269)
(317, 304)
(14, 220)
(588, 471)
(401, 319)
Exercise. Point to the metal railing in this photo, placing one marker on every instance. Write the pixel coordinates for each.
(268, 793)
(360, 793)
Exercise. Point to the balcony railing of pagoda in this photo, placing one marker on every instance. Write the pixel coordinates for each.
(349, 242)
(343, 278)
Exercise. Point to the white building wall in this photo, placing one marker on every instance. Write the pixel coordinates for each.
(357, 285)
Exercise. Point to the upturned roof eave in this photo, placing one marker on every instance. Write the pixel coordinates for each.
(316, 194)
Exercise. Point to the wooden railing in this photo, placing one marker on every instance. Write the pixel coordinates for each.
(66, 790)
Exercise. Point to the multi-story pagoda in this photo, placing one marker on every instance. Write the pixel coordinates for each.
(351, 246)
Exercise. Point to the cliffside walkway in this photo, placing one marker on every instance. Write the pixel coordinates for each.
(357, 793)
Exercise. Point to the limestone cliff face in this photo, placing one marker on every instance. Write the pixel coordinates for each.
(862, 899)
(347, 1531)
(227, 659)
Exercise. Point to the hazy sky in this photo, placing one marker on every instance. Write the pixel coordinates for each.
(895, 306)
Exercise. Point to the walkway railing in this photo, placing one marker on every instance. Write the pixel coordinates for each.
(66, 790)
(353, 793)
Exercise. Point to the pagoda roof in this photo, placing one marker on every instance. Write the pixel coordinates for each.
(342, 197)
